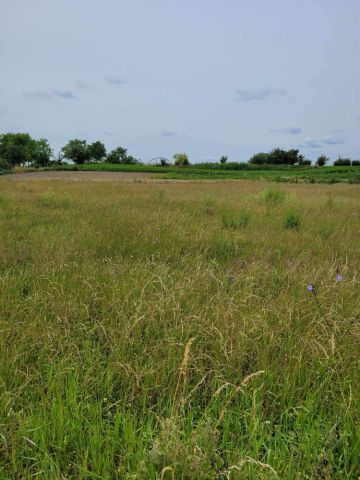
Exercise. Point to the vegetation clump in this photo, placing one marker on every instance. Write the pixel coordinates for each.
(273, 196)
(292, 221)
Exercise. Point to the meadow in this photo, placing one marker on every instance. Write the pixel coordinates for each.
(186, 330)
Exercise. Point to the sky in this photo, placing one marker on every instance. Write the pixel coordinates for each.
(205, 77)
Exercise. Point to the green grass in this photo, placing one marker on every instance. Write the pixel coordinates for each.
(160, 331)
(274, 173)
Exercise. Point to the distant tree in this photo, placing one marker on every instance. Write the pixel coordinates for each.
(164, 162)
(223, 159)
(278, 156)
(16, 148)
(322, 160)
(301, 159)
(118, 155)
(131, 160)
(41, 153)
(292, 157)
(181, 160)
(77, 151)
(355, 163)
(342, 162)
(306, 162)
(259, 158)
(97, 151)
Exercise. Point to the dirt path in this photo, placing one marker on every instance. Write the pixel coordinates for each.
(79, 176)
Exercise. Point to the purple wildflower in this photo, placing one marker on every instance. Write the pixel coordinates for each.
(339, 277)
(310, 288)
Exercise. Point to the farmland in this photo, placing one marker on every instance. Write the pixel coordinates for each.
(275, 173)
(179, 330)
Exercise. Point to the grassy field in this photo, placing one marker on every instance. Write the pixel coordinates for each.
(275, 173)
(165, 331)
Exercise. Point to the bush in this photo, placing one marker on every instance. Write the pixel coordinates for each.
(273, 196)
(355, 163)
(292, 221)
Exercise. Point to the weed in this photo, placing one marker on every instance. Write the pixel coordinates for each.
(235, 221)
(292, 221)
(273, 196)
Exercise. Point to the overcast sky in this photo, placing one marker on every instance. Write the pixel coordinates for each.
(207, 77)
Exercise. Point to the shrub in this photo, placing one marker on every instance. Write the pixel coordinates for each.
(355, 163)
(292, 221)
(273, 196)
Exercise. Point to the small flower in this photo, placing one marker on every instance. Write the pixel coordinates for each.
(310, 288)
(339, 277)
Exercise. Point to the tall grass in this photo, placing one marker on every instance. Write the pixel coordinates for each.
(126, 352)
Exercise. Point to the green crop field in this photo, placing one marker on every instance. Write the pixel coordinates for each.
(204, 330)
(277, 173)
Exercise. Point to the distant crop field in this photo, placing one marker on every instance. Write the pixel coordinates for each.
(179, 330)
(276, 173)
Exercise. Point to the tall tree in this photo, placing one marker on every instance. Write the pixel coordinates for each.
(97, 151)
(77, 151)
(118, 155)
(181, 160)
(41, 153)
(321, 161)
(16, 148)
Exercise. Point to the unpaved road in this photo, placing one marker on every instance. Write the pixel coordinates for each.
(80, 176)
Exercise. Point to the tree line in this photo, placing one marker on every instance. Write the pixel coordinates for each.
(20, 149)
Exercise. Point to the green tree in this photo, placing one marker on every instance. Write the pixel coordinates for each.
(321, 161)
(41, 153)
(278, 156)
(292, 157)
(97, 151)
(118, 155)
(131, 160)
(259, 158)
(223, 159)
(181, 160)
(16, 148)
(77, 151)
(342, 162)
